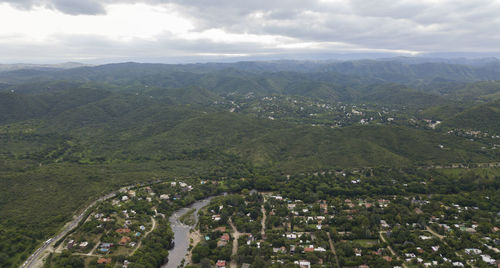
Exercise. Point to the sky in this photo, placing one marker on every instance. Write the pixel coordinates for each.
(52, 31)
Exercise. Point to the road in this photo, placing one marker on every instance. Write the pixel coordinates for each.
(36, 259)
(332, 247)
(236, 235)
(390, 249)
(434, 233)
(145, 235)
(263, 222)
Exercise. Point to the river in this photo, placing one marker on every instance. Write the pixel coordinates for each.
(181, 233)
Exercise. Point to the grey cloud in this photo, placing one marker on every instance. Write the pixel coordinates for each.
(71, 7)
(447, 25)
(79, 7)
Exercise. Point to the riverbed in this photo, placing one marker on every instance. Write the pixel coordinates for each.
(181, 233)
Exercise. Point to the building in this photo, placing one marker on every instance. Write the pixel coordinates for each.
(224, 237)
(124, 240)
(104, 261)
(303, 263)
(221, 264)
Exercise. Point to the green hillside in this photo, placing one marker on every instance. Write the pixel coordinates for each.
(484, 117)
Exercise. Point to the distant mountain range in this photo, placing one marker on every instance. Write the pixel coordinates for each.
(21, 66)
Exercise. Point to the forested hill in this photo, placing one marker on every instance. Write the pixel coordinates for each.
(105, 125)
(484, 117)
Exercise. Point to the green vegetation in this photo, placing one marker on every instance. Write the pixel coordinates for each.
(68, 137)
(188, 218)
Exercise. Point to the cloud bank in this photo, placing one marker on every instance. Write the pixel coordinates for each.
(68, 29)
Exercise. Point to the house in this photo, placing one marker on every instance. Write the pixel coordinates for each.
(279, 250)
(410, 255)
(104, 261)
(291, 236)
(221, 264)
(106, 245)
(124, 240)
(164, 197)
(71, 243)
(311, 249)
(216, 217)
(303, 263)
(387, 258)
(488, 259)
(124, 198)
(224, 237)
(221, 243)
(83, 244)
(474, 251)
(383, 203)
(123, 230)
(357, 252)
(378, 252)
(142, 227)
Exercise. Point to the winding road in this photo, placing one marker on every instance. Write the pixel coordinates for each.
(145, 235)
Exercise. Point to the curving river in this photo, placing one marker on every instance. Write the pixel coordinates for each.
(181, 233)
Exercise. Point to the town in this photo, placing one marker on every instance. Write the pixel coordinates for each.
(340, 218)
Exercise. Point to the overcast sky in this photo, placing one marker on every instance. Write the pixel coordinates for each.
(118, 30)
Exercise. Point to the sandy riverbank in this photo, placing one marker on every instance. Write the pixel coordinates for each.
(195, 238)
